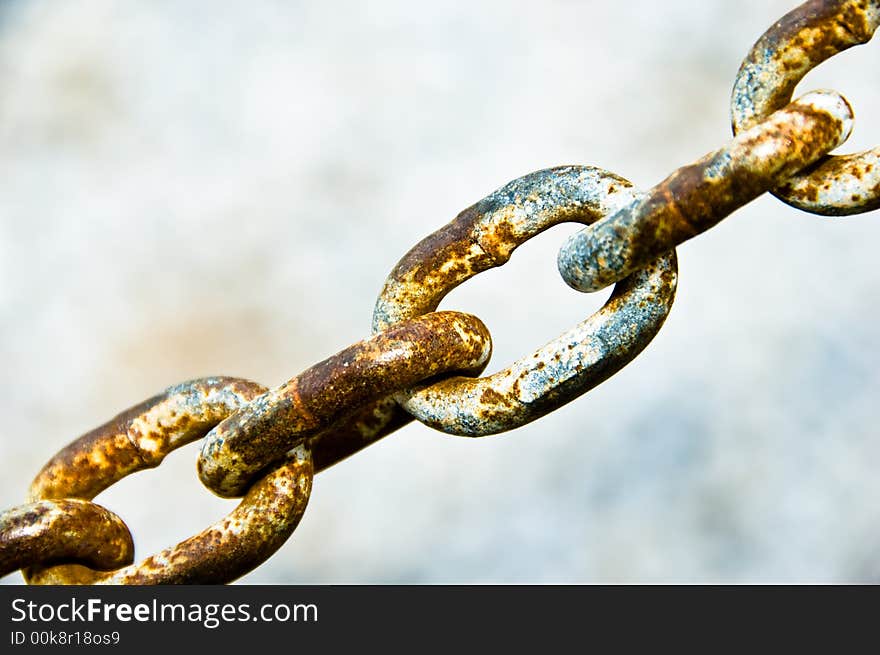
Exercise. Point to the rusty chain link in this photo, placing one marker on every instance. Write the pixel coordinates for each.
(799, 41)
(485, 236)
(266, 445)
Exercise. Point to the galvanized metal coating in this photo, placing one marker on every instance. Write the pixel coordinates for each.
(331, 391)
(696, 197)
(793, 46)
(55, 531)
(484, 236)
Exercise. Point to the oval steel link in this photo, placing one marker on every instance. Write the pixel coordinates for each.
(694, 198)
(54, 531)
(484, 236)
(140, 438)
(331, 391)
(836, 185)
(236, 544)
(143, 435)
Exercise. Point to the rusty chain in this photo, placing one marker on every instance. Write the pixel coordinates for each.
(265, 445)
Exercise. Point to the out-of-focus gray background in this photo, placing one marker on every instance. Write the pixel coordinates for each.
(221, 188)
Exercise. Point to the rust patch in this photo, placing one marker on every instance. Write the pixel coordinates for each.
(497, 225)
(57, 531)
(792, 47)
(262, 522)
(244, 444)
(141, 437)
(696, 197)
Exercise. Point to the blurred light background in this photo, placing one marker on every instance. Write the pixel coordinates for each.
(193, 189)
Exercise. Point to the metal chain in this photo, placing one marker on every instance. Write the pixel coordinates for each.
(265, 445)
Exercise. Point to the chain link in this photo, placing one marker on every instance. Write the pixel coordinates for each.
(265, 445)
(259, 434)
(484, 236)
(59, 530)
(267, 515)
(696, 197)
(798, 42)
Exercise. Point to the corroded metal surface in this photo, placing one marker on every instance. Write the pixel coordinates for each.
(54, 531)
(484, 236)
(356, 432)
(141, 436)
(696, 197)
(794, 45)
(67, 530)
(267, 445)
(332, 390)
(243, 540)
